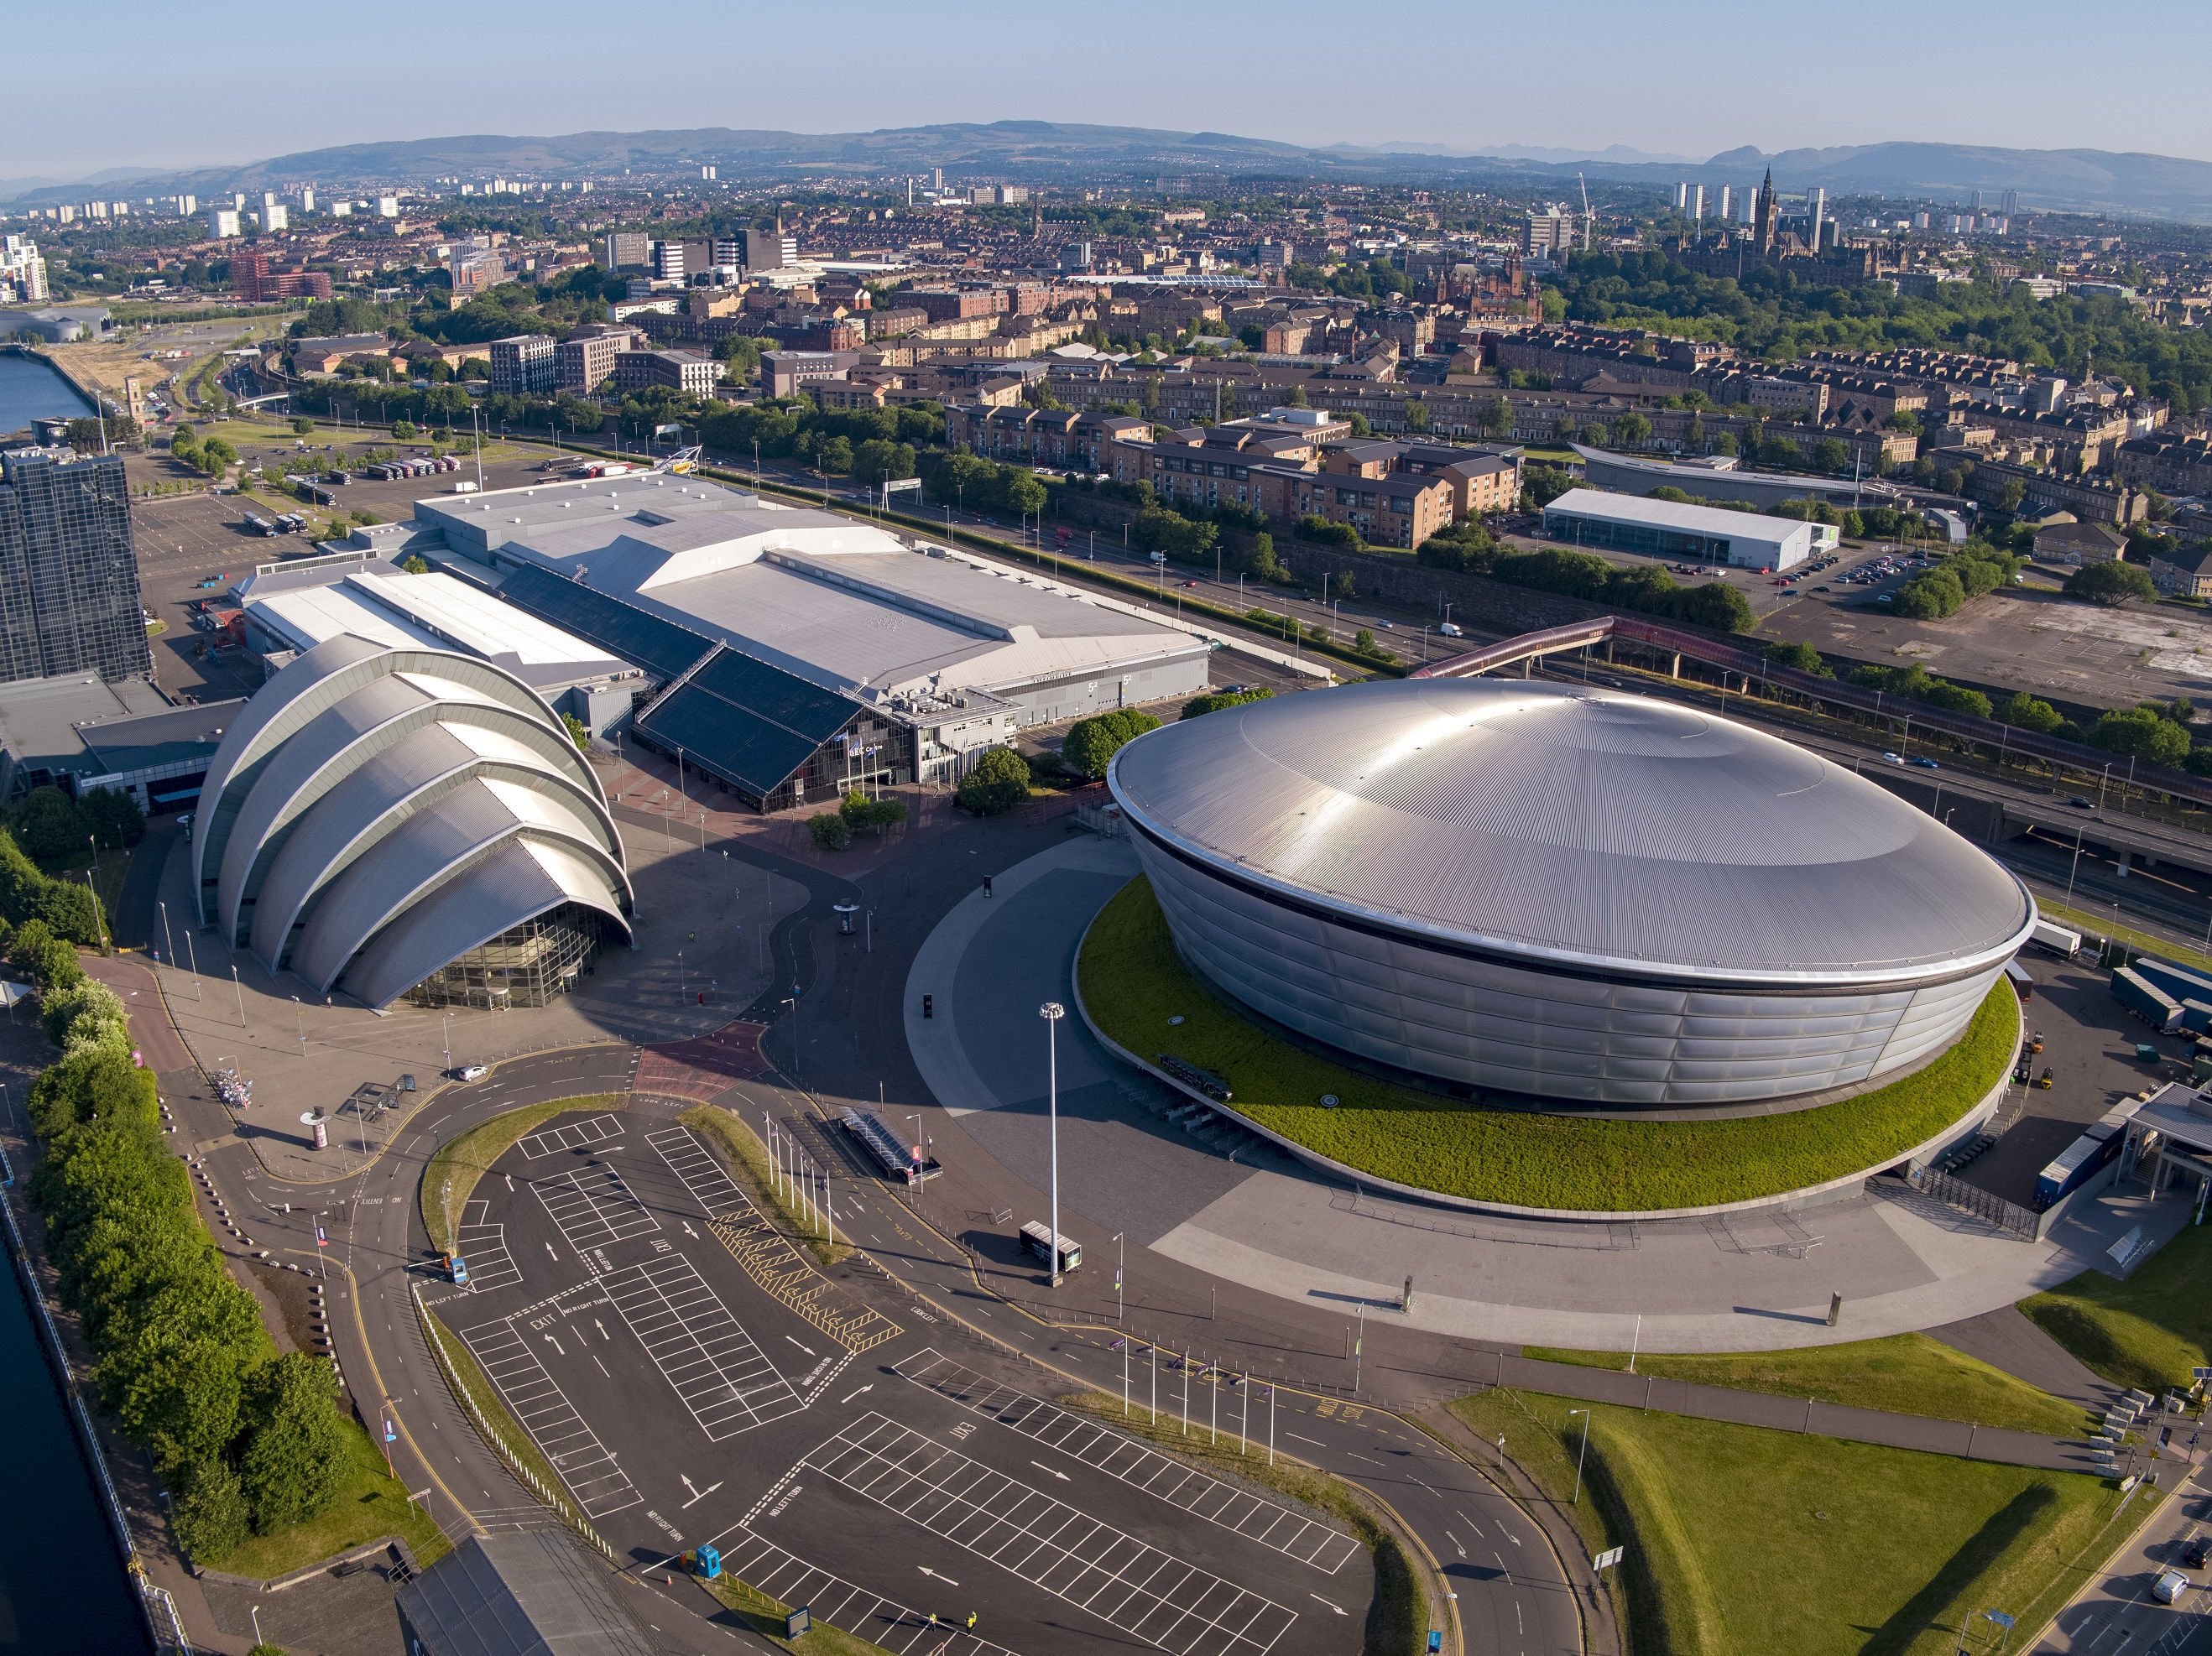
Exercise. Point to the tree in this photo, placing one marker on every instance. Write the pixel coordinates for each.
(208, 1512)
(2111, 584)
(1416, 414)
(1829, 454)
(2027, 712)
(2010, 495)
(1497, 417)
(295, 1450)
(1199, 707)
(302, 426)
(998, 782)
(1802, 657)
(47, 959)
(2141, 733)
(1932, 595)
(404, 430)
(114, 816)
(578, 732)
(861, 812)
(1629, 429)
(415, 564)
(50, 827)
(1025, 495)
(829, 831)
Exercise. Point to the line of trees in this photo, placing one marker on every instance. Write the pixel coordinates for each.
(1470, 548)
(248, 1441)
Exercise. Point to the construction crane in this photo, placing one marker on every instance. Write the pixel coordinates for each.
(1586, 211)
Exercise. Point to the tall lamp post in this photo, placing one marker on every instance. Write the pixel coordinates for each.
(1579, 1454)
(1052, 1011)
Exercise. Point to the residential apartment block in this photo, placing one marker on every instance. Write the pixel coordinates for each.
(524, 365)
(684, 371)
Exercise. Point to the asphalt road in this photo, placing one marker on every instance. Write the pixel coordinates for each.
(2116, 1610)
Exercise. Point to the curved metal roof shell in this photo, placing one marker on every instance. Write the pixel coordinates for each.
(370, 805)
(1582, 829)
(308, 687)
(521, 880)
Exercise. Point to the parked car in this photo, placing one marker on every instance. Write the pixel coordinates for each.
(471, 1072)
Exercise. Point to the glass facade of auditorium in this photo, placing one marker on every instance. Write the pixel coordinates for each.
(527, 965)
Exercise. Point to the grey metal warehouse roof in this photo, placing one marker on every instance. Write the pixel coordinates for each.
(1588, 829)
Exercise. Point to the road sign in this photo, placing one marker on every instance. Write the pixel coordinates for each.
(1609, 1558)
(1999, 1617)
(321, 1240)
(1436, 1639)
(390, 1435)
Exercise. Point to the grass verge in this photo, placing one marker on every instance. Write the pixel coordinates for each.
(369, 1504)
(1906, 1373)
(742, 1147)
(454, 1167)
(2143, 943)
(1133, 982)
(764, 1616)
(1397, 1616)
(2149, 1331)
(1742, 1541)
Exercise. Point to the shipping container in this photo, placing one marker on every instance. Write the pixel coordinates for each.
(2080, 1161)
(2182, 982)
(2057, 938)
(2153, 1005)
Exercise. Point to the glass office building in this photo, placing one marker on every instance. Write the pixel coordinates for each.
(68, 572)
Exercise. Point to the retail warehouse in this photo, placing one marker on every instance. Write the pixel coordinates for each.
(1670, 529)
(793, 653)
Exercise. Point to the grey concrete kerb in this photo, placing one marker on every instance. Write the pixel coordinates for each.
(1784, 1201)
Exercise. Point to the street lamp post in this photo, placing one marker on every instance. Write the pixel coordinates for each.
(1052, 1011)
(193, 956)
(241, 997)
(1579, 1454)
(1121, 1311)
(300, 1025)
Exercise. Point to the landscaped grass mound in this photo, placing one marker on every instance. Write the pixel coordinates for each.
(1743, 1541)
(1133, 981)
(2149, 1331)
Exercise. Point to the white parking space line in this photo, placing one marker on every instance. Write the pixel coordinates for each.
(482, 1248)
(722, 1376)
(762, 1564)
(593, 1207)
(1128, 1584)
(601, 1487)
(572, 1136)
(703, 1176)
(1288, 1532)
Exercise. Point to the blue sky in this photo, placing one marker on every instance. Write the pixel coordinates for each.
(162, 84)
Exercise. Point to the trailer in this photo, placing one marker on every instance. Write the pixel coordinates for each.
(2182, 982)
(2079, 1163)
(897, 1159)
(2150, 1004)
(2056, 939)
(2022, 985)
(1036, 1236)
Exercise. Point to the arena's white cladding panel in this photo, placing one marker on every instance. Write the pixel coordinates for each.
(364, 786)
(308, 687)
(519, 880)
(356, 814)
(1535, 889)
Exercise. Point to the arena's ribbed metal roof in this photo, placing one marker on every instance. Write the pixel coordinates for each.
(1586, 828)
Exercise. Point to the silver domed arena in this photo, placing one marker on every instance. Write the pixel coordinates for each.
(408, 821)
(1570, 894)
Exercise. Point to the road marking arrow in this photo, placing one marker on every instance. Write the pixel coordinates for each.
(947, 1579)
(870, 1387)
(806, 1348)
(1042, 1467)
(1318, 1599)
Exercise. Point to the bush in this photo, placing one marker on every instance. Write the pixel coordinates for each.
(1198, 707)
(50, 827)
(1323, 533)
(999, 781)
(1092, 743)
(295, 1456)
(2025, 712)
(47, 959)
(114, 816)
(208, 1512)
(861, 812)
(2141, 733)
(1802, 657)
(830, 831)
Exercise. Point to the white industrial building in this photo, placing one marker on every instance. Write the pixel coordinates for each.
(797, 653)
(1599, 522)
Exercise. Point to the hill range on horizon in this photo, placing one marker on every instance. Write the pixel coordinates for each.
(2091, 181)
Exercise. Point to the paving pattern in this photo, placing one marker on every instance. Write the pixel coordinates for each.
(1128, 1584)
(1289, 1534)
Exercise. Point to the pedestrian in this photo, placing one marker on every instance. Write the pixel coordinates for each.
(932, 1618)
(971, 1620)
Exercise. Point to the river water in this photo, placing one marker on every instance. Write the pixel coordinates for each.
(32, 390)
(62, 1585)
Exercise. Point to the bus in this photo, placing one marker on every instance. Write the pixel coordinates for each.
(259, 526)
(1036, 1236)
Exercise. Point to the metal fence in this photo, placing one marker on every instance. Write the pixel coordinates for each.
(2007, 1216)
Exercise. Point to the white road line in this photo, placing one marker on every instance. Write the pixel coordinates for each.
(721, 1376)
(762, 1564)
(1303, 1438)
(1134, 1464)
(1128, 1584)
(601, 1487)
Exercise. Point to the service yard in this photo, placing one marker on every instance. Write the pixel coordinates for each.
(695, 1380)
